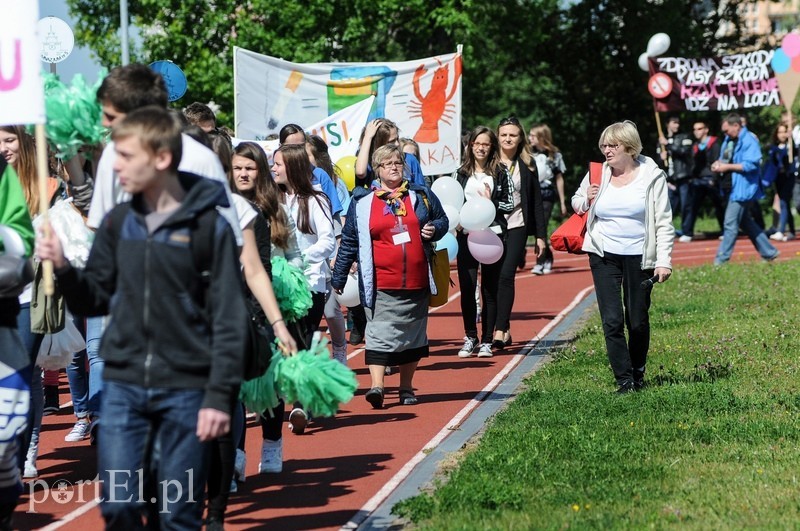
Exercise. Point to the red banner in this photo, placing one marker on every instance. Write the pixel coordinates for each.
(726, 83)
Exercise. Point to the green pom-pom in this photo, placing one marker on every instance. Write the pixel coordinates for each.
(291, 289)
(73, 115)
(315, 380)
(261, 394)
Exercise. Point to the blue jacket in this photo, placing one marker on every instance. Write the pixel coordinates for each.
(356, 244)
(747, 152)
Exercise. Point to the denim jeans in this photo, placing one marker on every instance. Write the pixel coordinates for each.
(15, 391)
(31, 342)
(738, 214)
(623, 304)
(86, 386)
(135, 419)
(680, 200)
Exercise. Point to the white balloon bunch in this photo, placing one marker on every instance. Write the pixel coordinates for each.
(657, 45)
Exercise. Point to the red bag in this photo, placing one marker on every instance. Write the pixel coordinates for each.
(569, 236)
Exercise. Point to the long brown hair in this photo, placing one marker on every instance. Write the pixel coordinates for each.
(382, 135)
(492, 160)
(545, 136)
(320, 150)
(524, 152)
(265, 194)
(298, 176)
(26, 165)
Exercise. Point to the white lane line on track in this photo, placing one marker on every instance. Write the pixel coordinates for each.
(453, 424)
(74, 515)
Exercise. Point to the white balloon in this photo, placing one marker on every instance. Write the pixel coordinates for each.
(643, 62)
(658, 44)
(477, 213)
(349, 296)
(452, 216)
(448, 191)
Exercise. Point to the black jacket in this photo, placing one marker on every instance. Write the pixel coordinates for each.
(680, 151)
(163, 332)
(705, 157)
(532, 207)
(502, 195)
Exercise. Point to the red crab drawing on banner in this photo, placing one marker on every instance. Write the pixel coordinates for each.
(434, 106)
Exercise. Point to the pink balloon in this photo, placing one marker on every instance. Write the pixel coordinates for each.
(485, 246)
(791, 45)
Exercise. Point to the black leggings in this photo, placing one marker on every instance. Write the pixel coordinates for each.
(314, 316)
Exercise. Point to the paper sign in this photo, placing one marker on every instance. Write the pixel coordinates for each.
(21, 91)
(174, 78)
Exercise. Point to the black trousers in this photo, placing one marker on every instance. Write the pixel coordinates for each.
(623, 303)
(467, 281)
(513, 253)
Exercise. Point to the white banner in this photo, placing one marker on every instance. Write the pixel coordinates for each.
(423, 97)
(340, 131)
(21, 91)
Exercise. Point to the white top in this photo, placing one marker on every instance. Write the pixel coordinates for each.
(515, 219)
(292, 252)
(196, 158)
(620, 215)
(476, 182)
(316, 247)
(244, 211)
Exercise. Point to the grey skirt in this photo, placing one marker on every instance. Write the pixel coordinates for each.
(397, 329)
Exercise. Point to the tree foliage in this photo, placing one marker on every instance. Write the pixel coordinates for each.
(572, 65)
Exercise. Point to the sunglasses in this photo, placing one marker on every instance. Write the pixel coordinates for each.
(510, 120)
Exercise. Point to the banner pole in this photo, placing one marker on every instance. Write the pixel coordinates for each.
(658, 120)
(44, 203)
(791, 138)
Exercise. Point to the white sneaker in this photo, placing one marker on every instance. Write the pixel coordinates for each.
(234, 486)
(468, 348)
(777, 236)
(79, 431)
(271, 457)
(239, 466)
(548, 267)
(298, 420)
(538, 269)
(485, 351)
(30, 471)
(685, 239)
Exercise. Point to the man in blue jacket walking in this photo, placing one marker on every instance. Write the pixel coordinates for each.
(744, 168)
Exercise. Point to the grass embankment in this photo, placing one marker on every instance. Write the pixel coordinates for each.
(711, 443)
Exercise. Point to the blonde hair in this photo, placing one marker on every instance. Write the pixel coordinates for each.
(624, 133)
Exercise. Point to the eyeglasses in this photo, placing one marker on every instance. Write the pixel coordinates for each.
(391, 164)
(509, 120)
(604, 147)
(483, 145)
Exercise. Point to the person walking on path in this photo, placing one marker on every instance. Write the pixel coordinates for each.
(481, 175)
(745, 174)
(173, 347)
(675, 153)
(388, 231)
(629, 238)
(704, 183)
(525, 219)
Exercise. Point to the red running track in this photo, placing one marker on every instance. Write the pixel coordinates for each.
(349, 463)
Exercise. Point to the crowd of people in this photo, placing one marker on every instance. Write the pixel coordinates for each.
(186, 225)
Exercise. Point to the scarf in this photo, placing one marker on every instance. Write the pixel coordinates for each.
(392, 198)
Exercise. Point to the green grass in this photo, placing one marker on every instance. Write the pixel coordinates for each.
(713, 442)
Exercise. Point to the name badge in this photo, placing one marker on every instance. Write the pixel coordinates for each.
(400, 235)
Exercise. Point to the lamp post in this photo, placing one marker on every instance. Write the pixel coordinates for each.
(123, 16)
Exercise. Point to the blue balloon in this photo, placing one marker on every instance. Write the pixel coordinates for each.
(450, 243)
(173, 76)
(780, 61)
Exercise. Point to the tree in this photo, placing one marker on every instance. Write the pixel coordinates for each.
(573, 66)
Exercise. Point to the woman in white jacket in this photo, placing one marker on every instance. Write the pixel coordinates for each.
(629, 240)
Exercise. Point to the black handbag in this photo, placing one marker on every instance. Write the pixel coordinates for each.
(15, 274)
(259, 350)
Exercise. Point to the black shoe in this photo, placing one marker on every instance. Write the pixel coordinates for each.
(356, 337)
(51, 400)
(625, 387)
(375, 397)
(638, 379)
(214, 523)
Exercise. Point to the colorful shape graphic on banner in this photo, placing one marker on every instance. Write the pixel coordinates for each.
(786, 64)
(423, 97)
(21, 90)
(726, 83)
